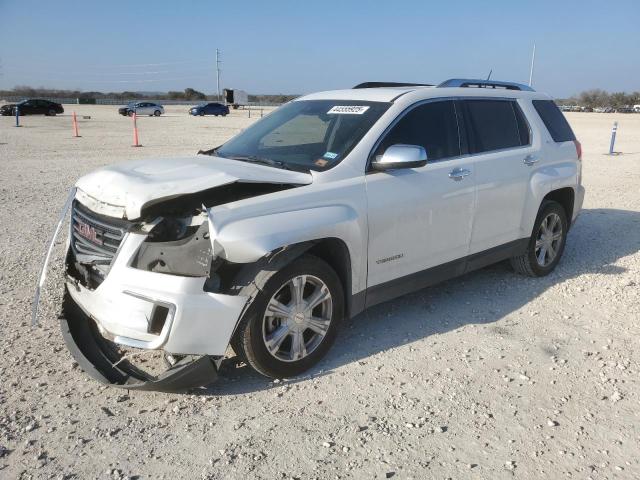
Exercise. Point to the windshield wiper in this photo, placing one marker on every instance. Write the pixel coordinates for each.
(261, 161)
(207, 152)
(249, 158)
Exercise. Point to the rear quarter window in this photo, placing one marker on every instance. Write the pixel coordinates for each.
(554, 120)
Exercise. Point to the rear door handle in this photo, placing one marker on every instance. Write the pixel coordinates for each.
(530, 159)
(458, 174)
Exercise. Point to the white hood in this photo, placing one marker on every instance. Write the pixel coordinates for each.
(122, 190)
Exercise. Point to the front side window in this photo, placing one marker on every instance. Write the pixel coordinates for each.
(495, 125)
(432, 125)
(306, 134)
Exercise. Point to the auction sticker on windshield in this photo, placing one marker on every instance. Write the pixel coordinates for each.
(349, 109)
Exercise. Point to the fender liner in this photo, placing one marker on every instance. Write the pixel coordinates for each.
(259, 272)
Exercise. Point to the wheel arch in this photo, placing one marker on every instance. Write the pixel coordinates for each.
(332, 250)
(565, 197)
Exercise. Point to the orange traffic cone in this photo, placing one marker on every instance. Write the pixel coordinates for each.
(75, 125)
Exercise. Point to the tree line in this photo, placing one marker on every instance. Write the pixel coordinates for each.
(188, 94)
(589, 98)
(599, 98)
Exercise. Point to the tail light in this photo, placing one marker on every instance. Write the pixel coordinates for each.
(578, 149)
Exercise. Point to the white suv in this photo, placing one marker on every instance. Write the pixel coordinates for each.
(334, 202)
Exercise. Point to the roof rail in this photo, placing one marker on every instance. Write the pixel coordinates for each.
(390, 84)
(470, 82)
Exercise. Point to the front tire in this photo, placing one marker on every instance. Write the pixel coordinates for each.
(293, 319)
(52, 113)
(157, 113)
(546, 244)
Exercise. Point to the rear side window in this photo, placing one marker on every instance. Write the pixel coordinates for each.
(554, 120)
(495, 125)
(432, 125)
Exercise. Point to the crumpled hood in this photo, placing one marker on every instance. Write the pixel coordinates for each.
(122, 190)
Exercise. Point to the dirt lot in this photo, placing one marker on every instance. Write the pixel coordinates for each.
(488, 376)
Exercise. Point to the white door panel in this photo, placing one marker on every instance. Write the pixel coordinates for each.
(418, 218)
(502, 183)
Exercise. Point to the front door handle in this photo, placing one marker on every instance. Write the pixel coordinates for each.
(458, 174)
(530, 159)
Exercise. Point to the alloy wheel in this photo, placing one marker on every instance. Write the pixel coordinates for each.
(548, 240)
(297, 318)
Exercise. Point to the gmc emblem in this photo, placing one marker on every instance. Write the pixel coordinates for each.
(89, 232)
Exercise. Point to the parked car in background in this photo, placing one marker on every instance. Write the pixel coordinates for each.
(626, 109)
(636, 108)
(142, 108)
(212, 108)
(33, 106)
(586, 109)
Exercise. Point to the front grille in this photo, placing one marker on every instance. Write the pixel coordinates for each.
(95, 239)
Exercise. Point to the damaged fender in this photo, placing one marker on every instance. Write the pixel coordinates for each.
(247, 240)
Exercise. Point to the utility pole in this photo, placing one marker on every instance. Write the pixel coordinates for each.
(218, 62)
(533, 60)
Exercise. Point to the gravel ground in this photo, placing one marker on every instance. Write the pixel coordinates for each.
(488, 376)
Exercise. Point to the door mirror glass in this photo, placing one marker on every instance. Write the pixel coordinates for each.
(401, 156)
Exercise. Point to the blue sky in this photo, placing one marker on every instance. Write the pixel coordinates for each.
(300, 46)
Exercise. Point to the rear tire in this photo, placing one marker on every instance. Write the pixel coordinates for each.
(274, 336)
(546, 244)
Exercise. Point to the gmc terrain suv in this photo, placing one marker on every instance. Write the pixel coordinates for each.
(334, 202)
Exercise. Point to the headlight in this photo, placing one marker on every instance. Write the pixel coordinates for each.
(177, 247)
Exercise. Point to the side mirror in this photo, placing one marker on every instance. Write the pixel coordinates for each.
(400, 156)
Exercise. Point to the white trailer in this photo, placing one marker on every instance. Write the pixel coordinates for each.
(236, 98)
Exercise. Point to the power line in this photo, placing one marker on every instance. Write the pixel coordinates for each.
(163, 64)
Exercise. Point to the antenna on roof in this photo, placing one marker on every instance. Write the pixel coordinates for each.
(533, 60)
(489, 76)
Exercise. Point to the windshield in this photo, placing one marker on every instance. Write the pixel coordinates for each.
(305, 135)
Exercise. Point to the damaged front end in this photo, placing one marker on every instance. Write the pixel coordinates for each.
(151, 286)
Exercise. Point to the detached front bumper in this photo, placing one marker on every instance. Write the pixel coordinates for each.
(96, 357)
(149, 311)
